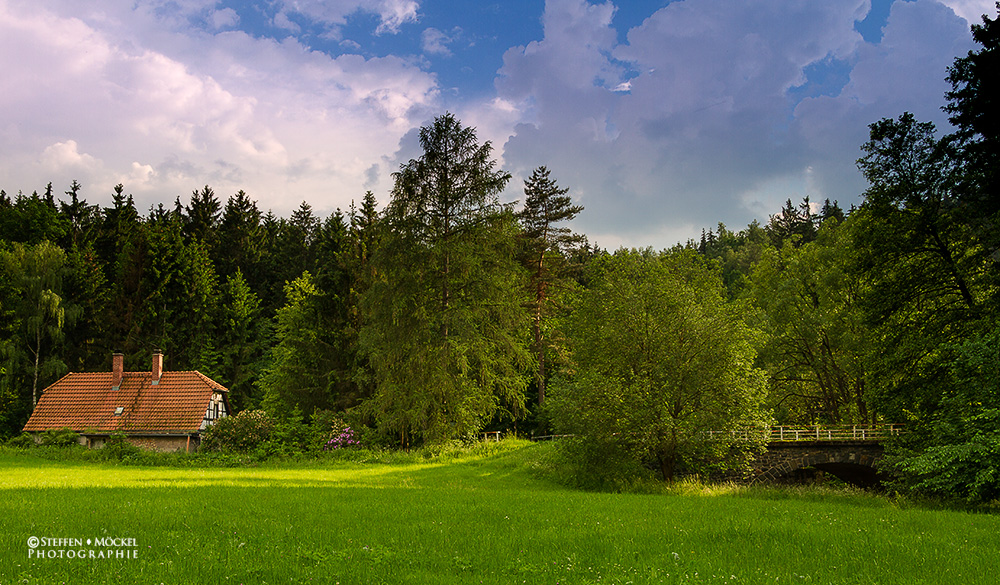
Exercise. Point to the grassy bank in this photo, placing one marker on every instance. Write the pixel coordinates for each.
(483, 517)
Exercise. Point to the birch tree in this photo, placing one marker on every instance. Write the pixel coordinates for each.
(36, 274)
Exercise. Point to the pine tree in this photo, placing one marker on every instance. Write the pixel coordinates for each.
(240, 339)
(547, 245)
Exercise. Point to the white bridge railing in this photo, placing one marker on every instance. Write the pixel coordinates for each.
(787, 434)
(818, 433)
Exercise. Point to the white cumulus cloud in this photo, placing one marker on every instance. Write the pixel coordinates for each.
(972, 10)
(435, 42)
(333, 13)
(705, 111)
(120, 95)
(711, 128)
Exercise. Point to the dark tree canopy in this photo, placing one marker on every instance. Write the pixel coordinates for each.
(974, 107)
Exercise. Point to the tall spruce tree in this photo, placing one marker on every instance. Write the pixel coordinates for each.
(203, 217)
(300, 371)
(793, 223)
(80, 217)
(240, 239)
(296, 244)
(444, 332)
(241, 343)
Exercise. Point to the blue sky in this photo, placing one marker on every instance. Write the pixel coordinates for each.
(661, 117)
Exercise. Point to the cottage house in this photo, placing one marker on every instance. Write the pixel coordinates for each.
(163, 411)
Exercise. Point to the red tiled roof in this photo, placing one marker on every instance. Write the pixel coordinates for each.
(86, 402)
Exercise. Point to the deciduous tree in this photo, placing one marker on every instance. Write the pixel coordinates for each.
(928, 252)
(817, 344)
(922, 275)
(974, 106)
(36, 273)
(662, 365)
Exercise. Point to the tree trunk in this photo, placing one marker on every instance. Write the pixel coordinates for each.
(666, 467)
(445, 297)
(859, 396)
(539, 346)
(34, 384)
(949, 261)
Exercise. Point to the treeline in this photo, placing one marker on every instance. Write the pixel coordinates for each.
(305, 312)
(449, 312)
(359, 307)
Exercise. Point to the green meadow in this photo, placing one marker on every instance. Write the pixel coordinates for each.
(488, 516)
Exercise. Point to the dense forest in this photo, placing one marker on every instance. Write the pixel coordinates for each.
(447, 312)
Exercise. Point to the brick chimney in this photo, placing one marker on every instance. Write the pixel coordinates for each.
(157, 366)
(117, 367)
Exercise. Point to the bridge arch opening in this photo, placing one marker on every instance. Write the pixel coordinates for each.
(855, 463)
(862, 476)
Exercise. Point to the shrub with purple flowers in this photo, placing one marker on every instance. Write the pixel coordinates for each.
(341, 437)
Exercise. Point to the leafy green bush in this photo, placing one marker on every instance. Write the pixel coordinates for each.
(264, 437)
(642, 386)
(953, 451)
(117, 448)
(241, 433)
(22, 441)
(594, 464)
(291, 435)
(64, 437)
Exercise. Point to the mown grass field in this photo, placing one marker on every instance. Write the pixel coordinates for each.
(484, 518)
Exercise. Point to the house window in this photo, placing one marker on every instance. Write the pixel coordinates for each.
(216, 410)
(119, 410)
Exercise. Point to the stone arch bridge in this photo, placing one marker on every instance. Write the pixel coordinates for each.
(851, 453)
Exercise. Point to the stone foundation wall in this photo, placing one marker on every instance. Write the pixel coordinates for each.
(164, 443)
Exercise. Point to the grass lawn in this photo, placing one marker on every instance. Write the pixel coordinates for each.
(485, 518)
